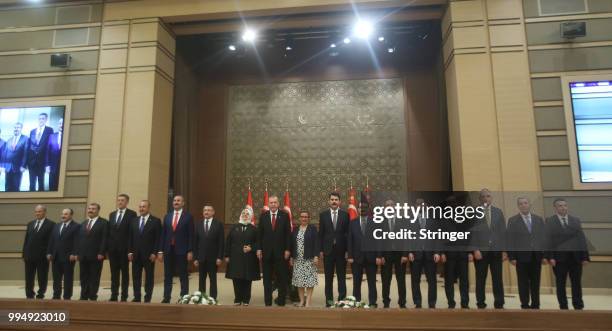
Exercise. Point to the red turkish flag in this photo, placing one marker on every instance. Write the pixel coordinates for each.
(287, 208)
(265, 207)
(249, 203)
(352, 205)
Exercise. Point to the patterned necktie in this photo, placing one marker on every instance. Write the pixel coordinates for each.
(37, 226)
(334, 219)
(88, 226)
(528, 222)
(119, 218)
(274, 221)
(175, 220)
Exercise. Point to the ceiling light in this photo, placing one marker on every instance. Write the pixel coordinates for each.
(363, 29)
(249, 35)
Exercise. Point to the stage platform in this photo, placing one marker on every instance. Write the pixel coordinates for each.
(138, 316)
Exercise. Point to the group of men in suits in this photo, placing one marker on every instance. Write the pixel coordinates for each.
(142, 239)
(39, 153)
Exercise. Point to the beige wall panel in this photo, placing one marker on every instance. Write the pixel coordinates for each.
(142, 32)
(515, 120)
(26, 17)
(548, 32)
(598, 240)
(76, 37)
(469, 37)
(471, 10)
(106, 140)
(11, 241)
(597, 275)
(449, 46)
(80, 134)
(115, 34)
(15, 41)
(142, 56)
(113, 58)
(587, 58)
(82, 109)
(549, 118)
(22, 64)
(165, 63)
(553, 148)
(13, 269)
(161, 144)
(556, 179)
(454, 125)
(76, 187)
(78, 160)
(504, 9)
(166, 39)
(478, 123)
(506, 35)
(595, 6)
(22, 213)
(592, 209)
(77, 14)
(136, 138)
(47, 86)
(546, 89)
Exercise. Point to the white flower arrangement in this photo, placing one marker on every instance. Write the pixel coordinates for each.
(350, 302)
(197, 298)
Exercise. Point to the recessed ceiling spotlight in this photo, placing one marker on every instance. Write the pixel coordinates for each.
(381, 38)
(232, 47)
(347, 40)
(249, 35)
(332, 45)
(363, 29)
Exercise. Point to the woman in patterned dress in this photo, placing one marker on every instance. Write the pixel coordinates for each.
(305, 258)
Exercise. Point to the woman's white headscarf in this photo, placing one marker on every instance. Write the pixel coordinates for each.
(248, 219)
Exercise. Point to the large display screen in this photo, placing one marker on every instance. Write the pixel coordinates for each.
(592, 108)
(30, 148)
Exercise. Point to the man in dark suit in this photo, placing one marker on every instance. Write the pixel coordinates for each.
(91, 251)
(143, 245)
(53, 157)
(176, 248)
(61, 252)
(395, 256)
(34, 251)
(333, 232)
(489, 239)
(118, 233)
(37, 152)
(13, 159)
(274, 242)
(363, 253)
(568, 253)
(526, 244)
(424, 256)
(208, 249)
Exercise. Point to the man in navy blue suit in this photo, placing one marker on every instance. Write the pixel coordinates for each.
(13, 159)
(62, 254)
(54, 153)
(37, 152)
(176, 246)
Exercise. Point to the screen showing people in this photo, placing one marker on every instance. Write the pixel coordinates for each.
(592, 105)
(30, 148)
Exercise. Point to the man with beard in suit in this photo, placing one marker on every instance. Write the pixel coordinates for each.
(62, 254)
(54, 154)
(118, 233)
(208, 249)
(38, 144)
(333, 232)
(34, 251)
(274, 243)
(13, 159)
(91, 251)
(143, 244)
(526, 244)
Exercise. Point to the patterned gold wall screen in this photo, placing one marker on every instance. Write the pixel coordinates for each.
(308, 134)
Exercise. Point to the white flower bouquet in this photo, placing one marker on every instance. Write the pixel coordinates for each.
(350, 302)
(197, 298)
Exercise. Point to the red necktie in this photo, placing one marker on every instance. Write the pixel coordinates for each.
(174, 223)
(273, 221)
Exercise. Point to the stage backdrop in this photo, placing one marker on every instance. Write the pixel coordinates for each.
(309, 134)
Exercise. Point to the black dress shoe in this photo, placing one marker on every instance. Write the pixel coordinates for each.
(373, 305)
(136, 300)
(403, 306)
(40, 296)
(481, 306)
(465, 307)
(124, 299)
(113, 299)
(417, 306)
(386, 305)
(165, 301)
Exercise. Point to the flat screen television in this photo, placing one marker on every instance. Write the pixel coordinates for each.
(31, 143)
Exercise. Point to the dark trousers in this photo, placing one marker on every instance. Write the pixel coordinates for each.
(65, 271)
(334, 260)
(208, 268)
(119, 267)
(394, 261)
(172, 263)
(574, 270)
(242, 290)
(37, 175)
(490, 260)
(280, 270)
(456, 269)
(53, 179)
(38, 268)
(138, 264)
(528, 276)
(13, 181)
(90, 273)
(417, 267)
(370, 270)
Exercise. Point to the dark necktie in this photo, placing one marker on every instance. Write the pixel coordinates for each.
(62, 228)
(142, 224)
(274, 221)
(528, 223)
(391, 224)
(88, 226)
(363, 225)
(206, 226)
(37, 226)
(334, 219)
(119, 218)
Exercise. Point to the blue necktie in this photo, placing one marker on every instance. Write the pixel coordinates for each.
(141, 224)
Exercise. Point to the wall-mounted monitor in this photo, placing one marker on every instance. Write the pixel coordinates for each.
(31, 147)
(589, 120)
